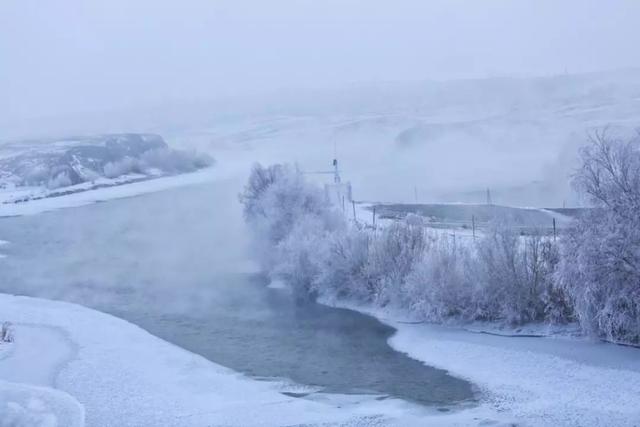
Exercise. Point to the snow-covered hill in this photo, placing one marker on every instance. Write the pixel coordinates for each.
(48, 168)
(453, 140)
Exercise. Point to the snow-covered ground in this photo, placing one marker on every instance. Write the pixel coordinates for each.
(2, 243)
(536, 387)
(536, 381)
(69, 363)
(132, 189)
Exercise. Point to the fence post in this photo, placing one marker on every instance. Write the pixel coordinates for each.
(374, 217)
(473, 226)
(354, 210)
(554, 229)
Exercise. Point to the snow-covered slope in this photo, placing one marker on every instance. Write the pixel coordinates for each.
(454, 139)
(444, 141)
(51, 168)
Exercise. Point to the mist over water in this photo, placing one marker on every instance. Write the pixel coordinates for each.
(176, 263)
(159, 245)
(458, 111)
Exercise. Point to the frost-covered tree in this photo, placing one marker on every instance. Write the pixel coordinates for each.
(600, 258)
(291, 220)
(260, 179)
(299, 256)
(304, 241)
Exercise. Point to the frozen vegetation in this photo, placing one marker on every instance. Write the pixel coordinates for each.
(599, 266)
(31, 170)
(590, 274)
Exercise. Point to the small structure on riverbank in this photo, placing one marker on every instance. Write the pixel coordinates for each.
(338, 193)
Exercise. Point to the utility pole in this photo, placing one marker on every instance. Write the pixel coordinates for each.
(489, 202)
(354, 210)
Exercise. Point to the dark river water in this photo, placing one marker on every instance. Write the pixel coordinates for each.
(175, 263)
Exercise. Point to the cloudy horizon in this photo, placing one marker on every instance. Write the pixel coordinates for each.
(79, 56)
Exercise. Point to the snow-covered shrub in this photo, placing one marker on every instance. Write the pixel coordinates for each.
(62, 179)
(260, 180)
(600, 257)
(291, 220)
(392, 256)
(124, 166)
(343, 271)
(287, 200)
(439, 287)
(515, 277)
(172, 161)
(302, 240)
(6, 332)
(163, 159)
(299, 256)
(38, 175)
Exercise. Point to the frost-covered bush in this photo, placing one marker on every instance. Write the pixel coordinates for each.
(121, 167)
(6, 332)
(515, 278)
(302, 240)
(172, 161)
(600, 257)
(166, 160)
(62, 179)
(36, 176)
(299, 256)
(439, 288)
(392, 256)
(291, 220)
(260, 180)
(343, 271)
(503, 277)
(286, 200)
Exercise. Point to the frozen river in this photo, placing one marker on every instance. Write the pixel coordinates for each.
(175, 263)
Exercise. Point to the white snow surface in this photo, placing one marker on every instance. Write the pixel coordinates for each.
(72, 366)
(82, 198)
(534, 381)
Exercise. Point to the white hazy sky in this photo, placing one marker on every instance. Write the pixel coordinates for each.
(80, 55)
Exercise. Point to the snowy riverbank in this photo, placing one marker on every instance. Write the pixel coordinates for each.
(131, 189)
(69, 362)
(124, 376)
(537, 381)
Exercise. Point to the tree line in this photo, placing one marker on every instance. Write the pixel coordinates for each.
(590, 274)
